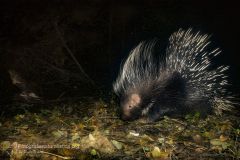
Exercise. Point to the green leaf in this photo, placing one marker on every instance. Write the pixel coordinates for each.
(93, 152)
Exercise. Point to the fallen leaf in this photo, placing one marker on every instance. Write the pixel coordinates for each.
(169, 141)
(58, 133)
(223, 138)
(117, 144)
(197, 138)
(218, 142)
(157, 153)
(133, 133)
(19, 117)
(5, 145)
(75, 136)
(215, 142)
(161, 140)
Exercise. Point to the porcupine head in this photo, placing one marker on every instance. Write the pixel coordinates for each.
(151, 85)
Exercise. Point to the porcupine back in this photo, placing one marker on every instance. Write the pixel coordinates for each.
(181, 79)
(187, 54)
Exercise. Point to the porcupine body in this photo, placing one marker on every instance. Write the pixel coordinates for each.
(180, 82)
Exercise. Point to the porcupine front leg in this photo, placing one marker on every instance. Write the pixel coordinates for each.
(171, 100)
(158, 112)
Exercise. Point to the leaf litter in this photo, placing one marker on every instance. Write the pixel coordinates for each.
(92, 130)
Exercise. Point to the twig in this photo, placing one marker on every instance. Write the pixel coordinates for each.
(177, 121)
(108, 117)
(62, 157)
(71, 54)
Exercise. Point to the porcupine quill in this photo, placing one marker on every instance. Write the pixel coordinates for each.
(178, 83)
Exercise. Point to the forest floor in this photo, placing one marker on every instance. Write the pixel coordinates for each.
(92, 130)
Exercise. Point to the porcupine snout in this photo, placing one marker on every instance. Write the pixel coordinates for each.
(130, 108)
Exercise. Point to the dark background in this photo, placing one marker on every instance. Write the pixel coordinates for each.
(100, 34)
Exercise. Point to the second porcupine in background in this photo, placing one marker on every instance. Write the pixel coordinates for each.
(151, 86)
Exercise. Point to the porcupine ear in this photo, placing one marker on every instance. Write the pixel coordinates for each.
(140, 67)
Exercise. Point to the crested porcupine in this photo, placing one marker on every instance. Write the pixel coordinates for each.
(180, 82)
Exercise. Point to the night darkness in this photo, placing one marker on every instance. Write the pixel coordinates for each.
(100, 34)
(58, 62)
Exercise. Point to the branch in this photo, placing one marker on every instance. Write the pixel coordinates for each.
(71, 54)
